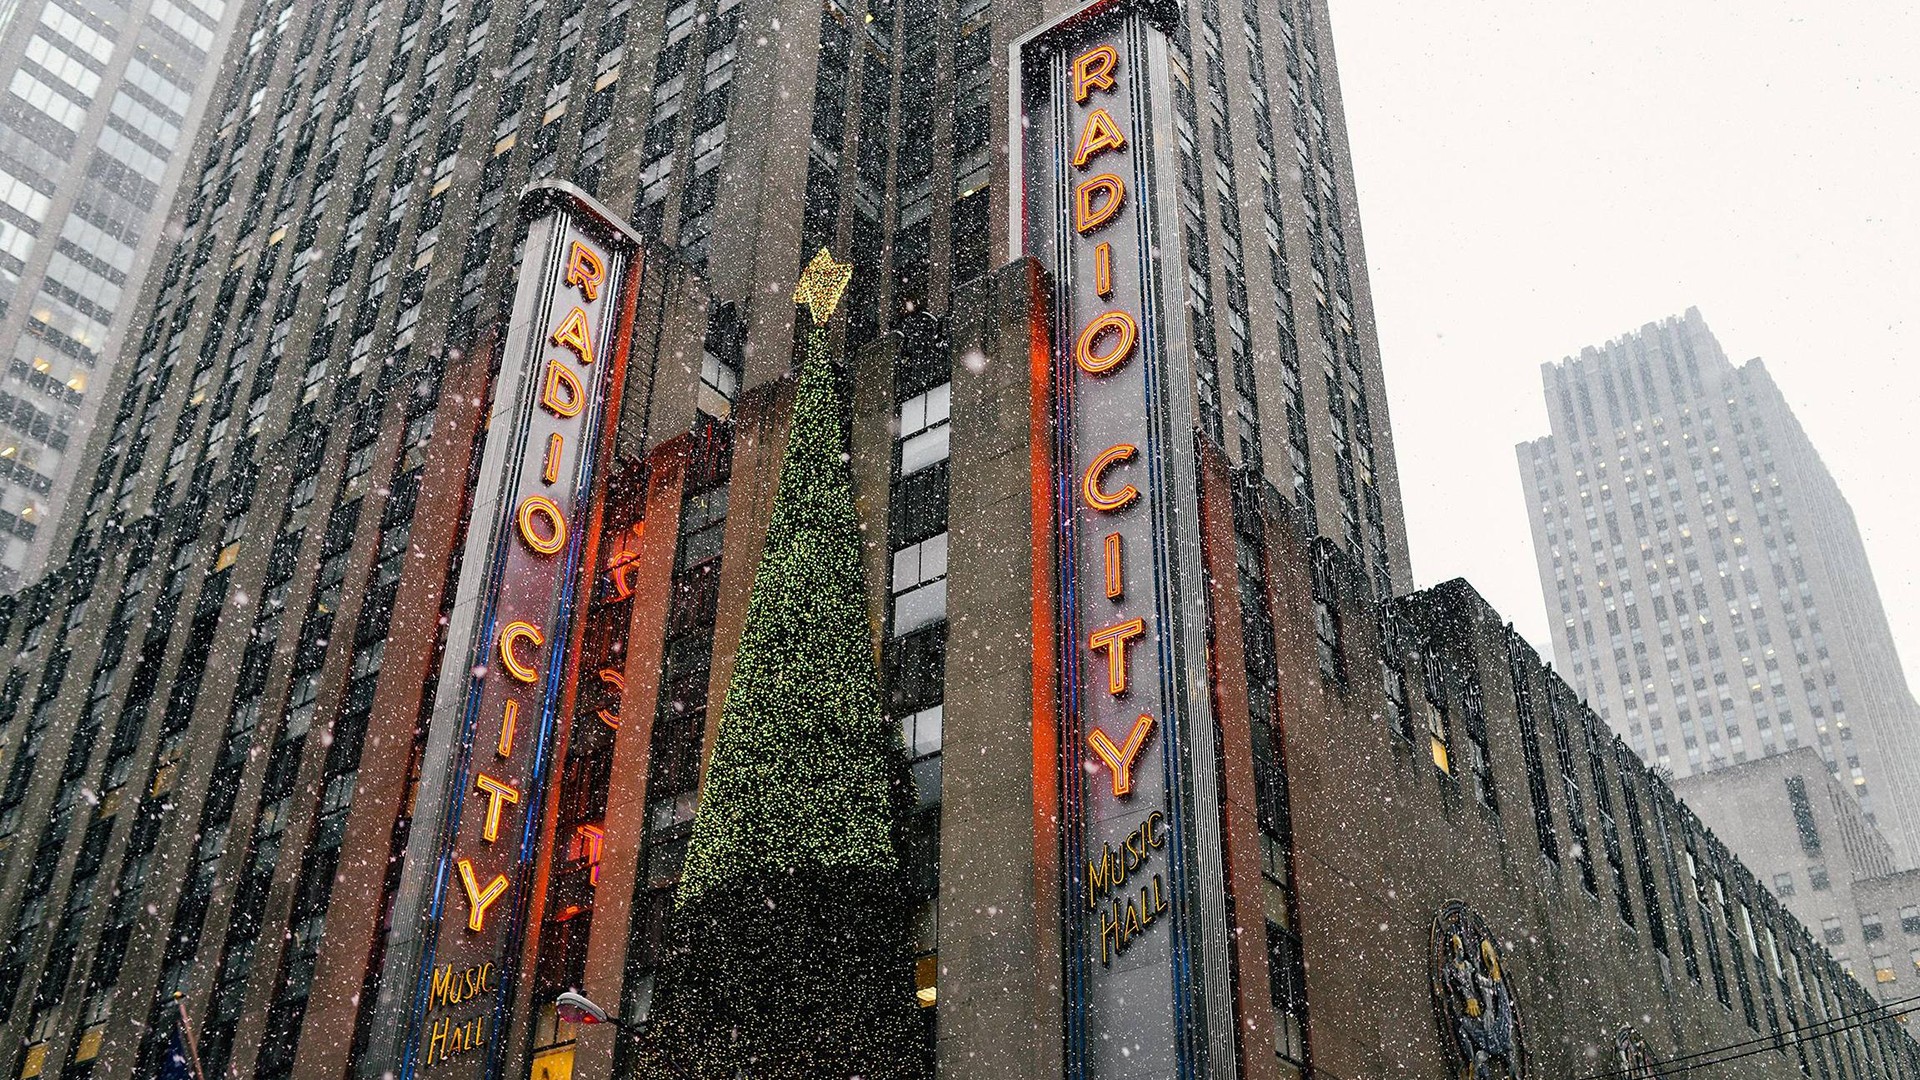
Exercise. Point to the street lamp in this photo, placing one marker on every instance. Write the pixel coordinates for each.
(577, 1008)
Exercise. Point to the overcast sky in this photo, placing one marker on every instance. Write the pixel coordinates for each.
(1539, 177)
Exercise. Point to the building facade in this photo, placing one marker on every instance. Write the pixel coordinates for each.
(1703, 574)
(94, 122)
(1802, 833)
(221, 718)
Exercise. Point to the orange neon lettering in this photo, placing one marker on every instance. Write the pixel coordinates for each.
(1103, 269)
(509, 720)
(573, 335)
(539, 506)
(499, 793)
(1116, 584)
(1093, 70)
(550, 469)
(593, 840)
(1099, 135)
(510, 634)
(1090, 488)
(586, 271)
(1114, 639)
(1124, 332)
(1119, 759)
(561, 394)
(1111, 193)
(613, 678)
(479, 899)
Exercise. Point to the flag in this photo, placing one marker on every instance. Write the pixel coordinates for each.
(181, 1062)
(177, 1064)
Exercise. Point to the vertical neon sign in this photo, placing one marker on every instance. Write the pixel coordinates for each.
(506, 676)
(1143, 894)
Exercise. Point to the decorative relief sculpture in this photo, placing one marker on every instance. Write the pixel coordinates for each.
(1473, 1001)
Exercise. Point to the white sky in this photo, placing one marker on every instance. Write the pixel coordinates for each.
(1536, 177)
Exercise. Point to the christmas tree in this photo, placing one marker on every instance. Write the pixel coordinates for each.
(789, 945)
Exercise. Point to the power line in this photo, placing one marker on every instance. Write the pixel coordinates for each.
(1688, 1066)
(1874, 1014)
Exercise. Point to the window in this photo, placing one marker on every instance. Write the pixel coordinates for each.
(919, 584)
(1817, 879)
(64, 23)
(1870, 927)
(1783, 885)
(1831, 931)
(1287, 989)
(1883, 969)
(1326, 628)
(1437, 736)
(721, 358)
(1910, 919)
(920, 734)
(1803, 815)
(924, 428)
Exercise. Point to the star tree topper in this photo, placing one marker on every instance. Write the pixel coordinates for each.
(821, 285)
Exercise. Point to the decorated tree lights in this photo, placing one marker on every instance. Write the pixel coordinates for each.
(790, 951)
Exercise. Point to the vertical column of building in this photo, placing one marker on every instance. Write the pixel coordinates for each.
(915, 655)
(1257, 580)
(571, 868)
(1194, 231)
(1297, 478)
(677, 736)
(1245, 438)
(1354, 397)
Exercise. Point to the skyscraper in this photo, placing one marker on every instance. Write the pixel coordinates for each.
(1705, 580)
(100, 98)
(368, 708)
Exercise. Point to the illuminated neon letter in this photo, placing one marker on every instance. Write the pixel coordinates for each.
(1093, 70)
(561, 394)
(518, 631)
(1119, 759)
(508, 721)
(1106, 187)
(573, 335)
(1103, 269)
(479, 899)
(1090, 483)
(1114, 639)
(593, 840)
(1116, 583)
(613, 678)
(1099, 136)
(498, 793)
(550, 469)
(1126, 332)
(540, 506)
(585, 270)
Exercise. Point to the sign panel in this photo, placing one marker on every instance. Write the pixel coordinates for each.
(507, 673)
(1143, 895)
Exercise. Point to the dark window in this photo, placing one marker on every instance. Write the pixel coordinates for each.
(1530, 751)
(1803, 815)
(1287, 989)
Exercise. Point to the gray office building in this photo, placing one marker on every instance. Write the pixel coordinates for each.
(100, 96)
(1703, 574)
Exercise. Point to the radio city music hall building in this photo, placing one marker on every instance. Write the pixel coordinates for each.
(366, 712)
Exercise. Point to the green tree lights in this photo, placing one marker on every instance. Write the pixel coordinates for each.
(789, 948)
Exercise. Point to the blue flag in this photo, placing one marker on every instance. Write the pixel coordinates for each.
(176, 1065)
